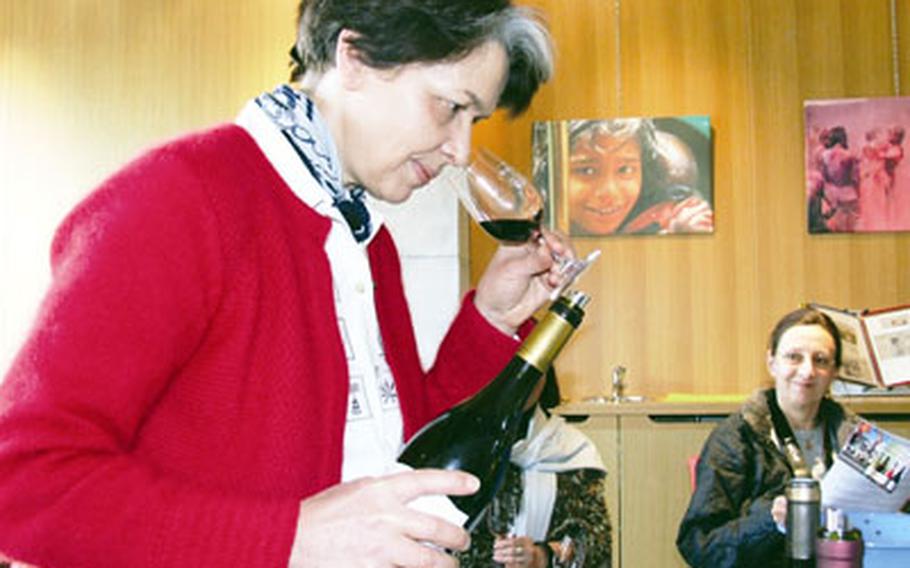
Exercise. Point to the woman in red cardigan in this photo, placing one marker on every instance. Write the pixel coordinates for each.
(224, 367)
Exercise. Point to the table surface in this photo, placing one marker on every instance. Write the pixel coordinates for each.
(859, 404)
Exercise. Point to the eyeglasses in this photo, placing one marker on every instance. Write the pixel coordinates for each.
(821, 361)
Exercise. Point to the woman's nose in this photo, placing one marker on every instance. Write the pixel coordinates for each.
(457, 147)
(807, 367)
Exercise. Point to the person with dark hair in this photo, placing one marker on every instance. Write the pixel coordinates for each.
(224, 369)
(556, 481)
(632, 175)
(833, 185)
(836, 136)
(737, 513)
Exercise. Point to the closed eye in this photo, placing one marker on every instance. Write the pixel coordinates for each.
(453, 107)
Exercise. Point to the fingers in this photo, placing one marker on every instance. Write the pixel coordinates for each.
(513, 551)
(408, 485)
(417, 555)
(558, 243)
(373, 518)
(691, 214)
(779, 509)
(519, 280)
(425, 528)
(559, 254)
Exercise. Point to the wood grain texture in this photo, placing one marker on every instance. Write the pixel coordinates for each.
(85, 85)
(655, 487)
(692, 313)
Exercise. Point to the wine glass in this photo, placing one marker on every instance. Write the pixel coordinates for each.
(506, 205)
(501, 513)
(509, 208)
(572, 546)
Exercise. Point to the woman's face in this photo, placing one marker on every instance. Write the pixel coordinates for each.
(402, 126)
(604, 181)
(803, 366)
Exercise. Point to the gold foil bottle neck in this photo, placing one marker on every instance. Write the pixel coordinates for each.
(545, 341)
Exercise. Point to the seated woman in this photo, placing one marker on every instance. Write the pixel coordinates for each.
(738, 510)
(557, 477)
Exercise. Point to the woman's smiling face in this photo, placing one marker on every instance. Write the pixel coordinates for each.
(604, 181)
(803, 365)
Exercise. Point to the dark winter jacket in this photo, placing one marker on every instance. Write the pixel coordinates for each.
(740, 471)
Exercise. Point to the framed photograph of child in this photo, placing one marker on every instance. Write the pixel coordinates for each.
(625, 176)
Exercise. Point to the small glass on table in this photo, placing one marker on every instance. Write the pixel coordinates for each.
(501, 514)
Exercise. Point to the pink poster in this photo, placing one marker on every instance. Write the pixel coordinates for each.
(857, 179)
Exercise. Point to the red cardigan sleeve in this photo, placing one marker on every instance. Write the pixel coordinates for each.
(471, 353)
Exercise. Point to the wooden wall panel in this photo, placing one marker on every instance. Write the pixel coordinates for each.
(655, 487)
(691, 313)
(86, 84)
(687, 58)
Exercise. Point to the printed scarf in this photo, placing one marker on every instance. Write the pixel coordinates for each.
(297, 118)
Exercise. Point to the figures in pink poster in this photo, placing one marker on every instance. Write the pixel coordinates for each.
(856, 179)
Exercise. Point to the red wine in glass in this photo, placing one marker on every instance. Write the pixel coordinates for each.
(513, 230)
(509, 208)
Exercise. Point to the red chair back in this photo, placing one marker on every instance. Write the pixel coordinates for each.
(693, 464)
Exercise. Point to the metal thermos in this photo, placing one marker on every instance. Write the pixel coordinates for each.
(803, 513)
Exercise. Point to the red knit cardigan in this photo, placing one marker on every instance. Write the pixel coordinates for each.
(184, 385)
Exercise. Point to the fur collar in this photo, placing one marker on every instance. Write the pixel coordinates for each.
(757, 415)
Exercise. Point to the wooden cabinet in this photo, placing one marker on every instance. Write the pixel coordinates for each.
(655, 486)
(646, 448)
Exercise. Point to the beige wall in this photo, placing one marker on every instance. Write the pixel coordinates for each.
(691, 313)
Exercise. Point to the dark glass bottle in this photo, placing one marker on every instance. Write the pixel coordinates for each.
(477, 434)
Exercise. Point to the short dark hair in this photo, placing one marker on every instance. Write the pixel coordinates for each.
(834, 137)
(805, 316)
(390, 33)
(550, 396)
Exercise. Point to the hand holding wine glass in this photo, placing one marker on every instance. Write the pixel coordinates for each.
(571, 550)
(500, 517)
(510, 209)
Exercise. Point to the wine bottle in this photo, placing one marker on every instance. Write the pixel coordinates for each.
(477, 434)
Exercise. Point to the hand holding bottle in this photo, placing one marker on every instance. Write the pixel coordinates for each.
(477, 434)
(368, 522)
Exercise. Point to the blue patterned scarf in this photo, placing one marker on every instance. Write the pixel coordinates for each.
(296, 117)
